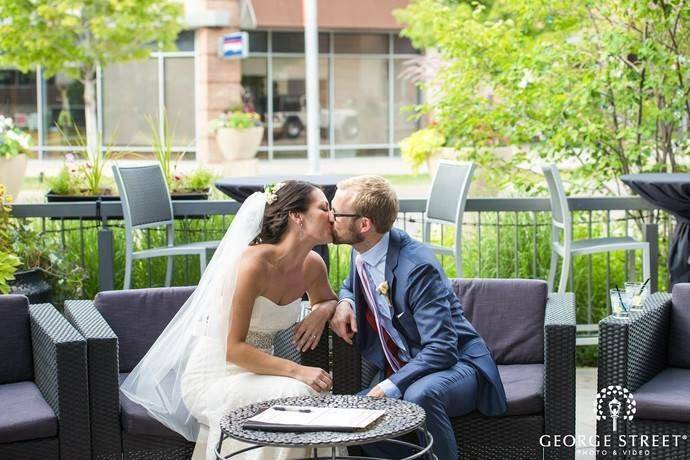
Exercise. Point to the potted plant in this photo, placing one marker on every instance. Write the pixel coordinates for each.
(423, 146)
(46, 273)
(8, 261)
(81, 178)
(238, 133)
(191, 186)
(13, 145)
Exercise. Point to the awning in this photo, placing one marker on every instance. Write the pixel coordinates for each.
(333, 14)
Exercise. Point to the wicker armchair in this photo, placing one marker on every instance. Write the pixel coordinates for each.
(536, 362)
(43, 386)
(649, 355)
(120, 326)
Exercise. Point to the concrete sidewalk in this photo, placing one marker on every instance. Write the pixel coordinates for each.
(585, 417)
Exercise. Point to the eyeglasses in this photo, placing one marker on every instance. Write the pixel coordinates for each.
(338, 214)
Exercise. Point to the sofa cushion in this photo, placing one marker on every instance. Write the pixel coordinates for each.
(508, 314)
(25, 414)
(679, 331)
(665, 397)
(16, 362)
(138, 316)
(524, 386)
(136, 420)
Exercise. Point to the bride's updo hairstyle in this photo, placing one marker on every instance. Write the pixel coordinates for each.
(282, 199)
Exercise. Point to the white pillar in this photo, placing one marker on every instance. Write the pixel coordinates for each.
(311, 54)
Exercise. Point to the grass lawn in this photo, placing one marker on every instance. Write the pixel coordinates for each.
(408, 179)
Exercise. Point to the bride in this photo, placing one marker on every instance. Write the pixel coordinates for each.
(215, 355)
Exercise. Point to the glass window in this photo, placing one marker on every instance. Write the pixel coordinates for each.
(258, 42)
(290, 102)
(403, 45)
(406, 96)
(64, 111)
(255, 88)
(361, 101)
(130, 95)
(179, 102)
(361, 43)
(293, 42)
(185, 41)
(18, 100)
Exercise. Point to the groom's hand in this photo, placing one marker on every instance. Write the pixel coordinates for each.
(376, 392)
(343, 322)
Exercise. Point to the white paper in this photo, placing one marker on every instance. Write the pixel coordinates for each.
(318, 416)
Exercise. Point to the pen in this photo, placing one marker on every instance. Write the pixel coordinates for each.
(291, 409)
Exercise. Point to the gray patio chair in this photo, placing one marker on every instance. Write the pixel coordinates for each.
(568, 248)
(145, 204)
(648, 354)
(44, 405)
(536, 362)
(446, 206)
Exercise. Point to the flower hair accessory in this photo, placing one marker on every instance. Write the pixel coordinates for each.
(271, 192)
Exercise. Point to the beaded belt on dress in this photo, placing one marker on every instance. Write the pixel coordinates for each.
(260, 340)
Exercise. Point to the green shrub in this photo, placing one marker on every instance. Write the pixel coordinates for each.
(199, 180)
(65, 183)
(418, 146)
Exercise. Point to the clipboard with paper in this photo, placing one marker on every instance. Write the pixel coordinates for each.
(303, 418)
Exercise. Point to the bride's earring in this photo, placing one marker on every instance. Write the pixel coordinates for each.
(301, 230)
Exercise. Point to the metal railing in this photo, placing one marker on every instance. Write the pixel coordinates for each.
(502, 238)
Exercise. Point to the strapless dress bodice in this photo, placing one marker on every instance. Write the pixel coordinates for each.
(268, 318)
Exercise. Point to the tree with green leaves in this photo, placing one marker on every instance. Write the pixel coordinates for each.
(600, 87)
(75, 37)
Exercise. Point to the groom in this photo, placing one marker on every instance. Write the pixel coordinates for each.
(408, 321)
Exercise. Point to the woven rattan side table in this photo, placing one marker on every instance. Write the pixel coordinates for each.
(401, 417)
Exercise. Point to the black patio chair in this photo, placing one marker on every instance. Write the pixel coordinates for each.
(531, 334)
(44, 411)
(648, 354)
(120, 327)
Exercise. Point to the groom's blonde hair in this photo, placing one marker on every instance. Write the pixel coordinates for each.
(375, 198)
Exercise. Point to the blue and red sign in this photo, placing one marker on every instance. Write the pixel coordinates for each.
(235, 45)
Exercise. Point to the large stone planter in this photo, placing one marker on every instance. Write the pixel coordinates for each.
(12, 173)
(239, 144)
(31, 283)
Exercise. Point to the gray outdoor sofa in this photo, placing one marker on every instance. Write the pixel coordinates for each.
(44, 410)
(649, 355)
(532, 337)
(120, 327)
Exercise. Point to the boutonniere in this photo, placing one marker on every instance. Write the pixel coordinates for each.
(383, 290)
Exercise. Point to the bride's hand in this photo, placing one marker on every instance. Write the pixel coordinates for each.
(308, 333)
(315, 377)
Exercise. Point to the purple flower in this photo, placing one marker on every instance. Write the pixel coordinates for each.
(69, 158)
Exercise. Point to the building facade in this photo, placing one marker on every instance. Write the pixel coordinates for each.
(364, 103)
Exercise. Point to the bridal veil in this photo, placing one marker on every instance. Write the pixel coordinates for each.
(156, 382)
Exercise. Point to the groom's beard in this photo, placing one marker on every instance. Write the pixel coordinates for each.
(348, 237)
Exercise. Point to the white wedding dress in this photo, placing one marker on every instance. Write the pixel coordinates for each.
(212, 392)
(185, 381)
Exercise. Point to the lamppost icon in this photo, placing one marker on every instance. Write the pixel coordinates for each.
(615, 410)
(620, 403)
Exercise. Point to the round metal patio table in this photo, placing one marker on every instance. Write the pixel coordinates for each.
(401, 417)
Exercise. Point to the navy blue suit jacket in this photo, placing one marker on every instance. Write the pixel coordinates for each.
(430, 320)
